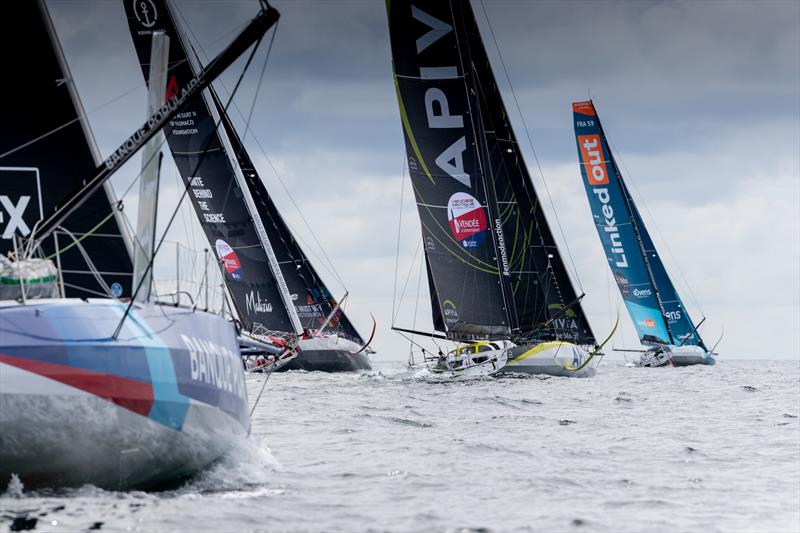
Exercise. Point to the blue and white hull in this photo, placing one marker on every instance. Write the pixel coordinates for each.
(159, 403)
(676, 356)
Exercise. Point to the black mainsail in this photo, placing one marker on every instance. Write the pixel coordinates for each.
(493, 265)
(43, 108)
(272, 283)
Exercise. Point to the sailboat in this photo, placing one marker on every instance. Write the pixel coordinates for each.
(660, 318)
(97, 390)
(278, 295)
(493, 267)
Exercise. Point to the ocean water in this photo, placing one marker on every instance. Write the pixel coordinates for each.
(670, 449)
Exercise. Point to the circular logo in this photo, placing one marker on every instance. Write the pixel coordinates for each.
(467, 220)
(229, 259)
(116, 289)
(145, 11)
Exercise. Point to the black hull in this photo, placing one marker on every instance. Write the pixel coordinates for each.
(328, 361)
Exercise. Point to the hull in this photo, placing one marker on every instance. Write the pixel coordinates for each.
(328, 354)
(159, 403)
(548, 358)
(679, 356)
(496, 361)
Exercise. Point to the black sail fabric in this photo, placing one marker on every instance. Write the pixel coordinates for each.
(208, 172)
(49, 150)
(539, 280)
(312, 299)
(445, 169)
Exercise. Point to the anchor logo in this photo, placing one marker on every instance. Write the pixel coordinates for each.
(146, 13)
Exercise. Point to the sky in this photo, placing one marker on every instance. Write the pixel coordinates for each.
(700, 100)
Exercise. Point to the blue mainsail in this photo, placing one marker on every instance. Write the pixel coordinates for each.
(650, 297)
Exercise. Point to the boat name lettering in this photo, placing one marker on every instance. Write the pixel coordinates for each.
(437, 106)
(255, 304)
(610, 227)
(501, 245)
(214, 365)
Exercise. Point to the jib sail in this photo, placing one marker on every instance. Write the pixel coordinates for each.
(655, 308)
(493, 264)
(47, 149)
(217, 197)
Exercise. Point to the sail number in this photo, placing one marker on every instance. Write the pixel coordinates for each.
(584, 123)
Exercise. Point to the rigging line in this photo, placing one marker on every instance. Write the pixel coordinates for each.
(260, 80)
(410, 270)
(185, 191)
(530, 143)
(327, 263)
(658, 228)
(397, 251)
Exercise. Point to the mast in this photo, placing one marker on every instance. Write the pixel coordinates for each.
(149, 177)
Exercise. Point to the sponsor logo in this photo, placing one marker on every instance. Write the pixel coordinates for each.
(17, 215)
(145, 11)
(437, 105)
(610, 227)
(229, 259)
(255, 304)
(172, 88)
(642, 293)
(567, 321)
(650, 323)
(584, 108)
(501, 245)
(214, 365)
(592, 157)
(467, 220)
(623, 284)
(449, 312)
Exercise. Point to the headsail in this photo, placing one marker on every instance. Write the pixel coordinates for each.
(493, 265)
(213, 190)
(42, 109)
(652, 301)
